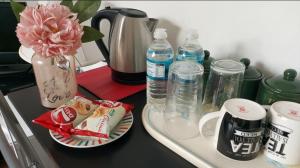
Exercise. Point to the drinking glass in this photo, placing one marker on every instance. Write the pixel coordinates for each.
(224, 82)
(184, 98)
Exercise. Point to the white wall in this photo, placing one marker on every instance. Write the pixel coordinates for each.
(266, 32)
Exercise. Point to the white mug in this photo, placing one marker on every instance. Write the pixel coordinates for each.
(239, 128)
(283, 133)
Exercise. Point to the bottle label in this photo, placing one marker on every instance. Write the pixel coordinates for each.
(158, 70)
(192, 56)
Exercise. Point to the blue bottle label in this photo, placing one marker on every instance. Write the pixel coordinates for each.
(196, 56)
(180, 58)
(158, 70)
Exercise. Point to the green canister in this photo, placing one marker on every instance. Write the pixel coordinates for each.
(252, 79)
(206, 64)
(279, 88)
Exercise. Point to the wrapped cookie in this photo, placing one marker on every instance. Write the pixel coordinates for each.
(104, 118)
(82, 106)
(66, 117)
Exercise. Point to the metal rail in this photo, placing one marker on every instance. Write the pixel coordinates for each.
(25, 152)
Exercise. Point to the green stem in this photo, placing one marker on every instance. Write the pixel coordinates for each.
(52, 61)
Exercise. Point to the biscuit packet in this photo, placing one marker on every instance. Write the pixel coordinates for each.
(66, 117)
(104, 118)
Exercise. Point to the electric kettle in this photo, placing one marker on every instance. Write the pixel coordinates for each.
(129, 38)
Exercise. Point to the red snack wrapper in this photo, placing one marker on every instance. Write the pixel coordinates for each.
(105, 118)
(65, 118)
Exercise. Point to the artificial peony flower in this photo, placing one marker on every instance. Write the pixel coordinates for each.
(51, 30)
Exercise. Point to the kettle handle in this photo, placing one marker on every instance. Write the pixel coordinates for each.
(110, 15)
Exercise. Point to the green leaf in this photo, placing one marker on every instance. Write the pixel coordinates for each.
(17, 8)
(86, 9)
(90, 34)
(67, 3)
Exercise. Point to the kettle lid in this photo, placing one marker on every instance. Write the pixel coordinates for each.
(133, 13)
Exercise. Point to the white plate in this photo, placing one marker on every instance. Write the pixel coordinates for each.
(75, 142)
(26, 53)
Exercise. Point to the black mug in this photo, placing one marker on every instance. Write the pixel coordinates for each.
(239, 128)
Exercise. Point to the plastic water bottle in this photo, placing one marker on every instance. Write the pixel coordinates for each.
(159, 57)
(191, 49)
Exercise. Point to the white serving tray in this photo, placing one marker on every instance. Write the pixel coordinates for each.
(198, 151)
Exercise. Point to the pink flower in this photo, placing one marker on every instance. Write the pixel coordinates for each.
(50, 30)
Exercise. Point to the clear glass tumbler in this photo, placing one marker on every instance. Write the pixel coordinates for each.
(184, 99)
(224, 82)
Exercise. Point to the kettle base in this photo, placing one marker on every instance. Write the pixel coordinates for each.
(128, 78)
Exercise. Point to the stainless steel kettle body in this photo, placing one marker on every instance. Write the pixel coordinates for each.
(130, 36)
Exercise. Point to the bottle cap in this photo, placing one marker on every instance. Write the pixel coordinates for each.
(160, 33)
(192, 34)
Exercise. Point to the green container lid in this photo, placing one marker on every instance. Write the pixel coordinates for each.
(286, 84)
(251, 73)
(207, 61)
